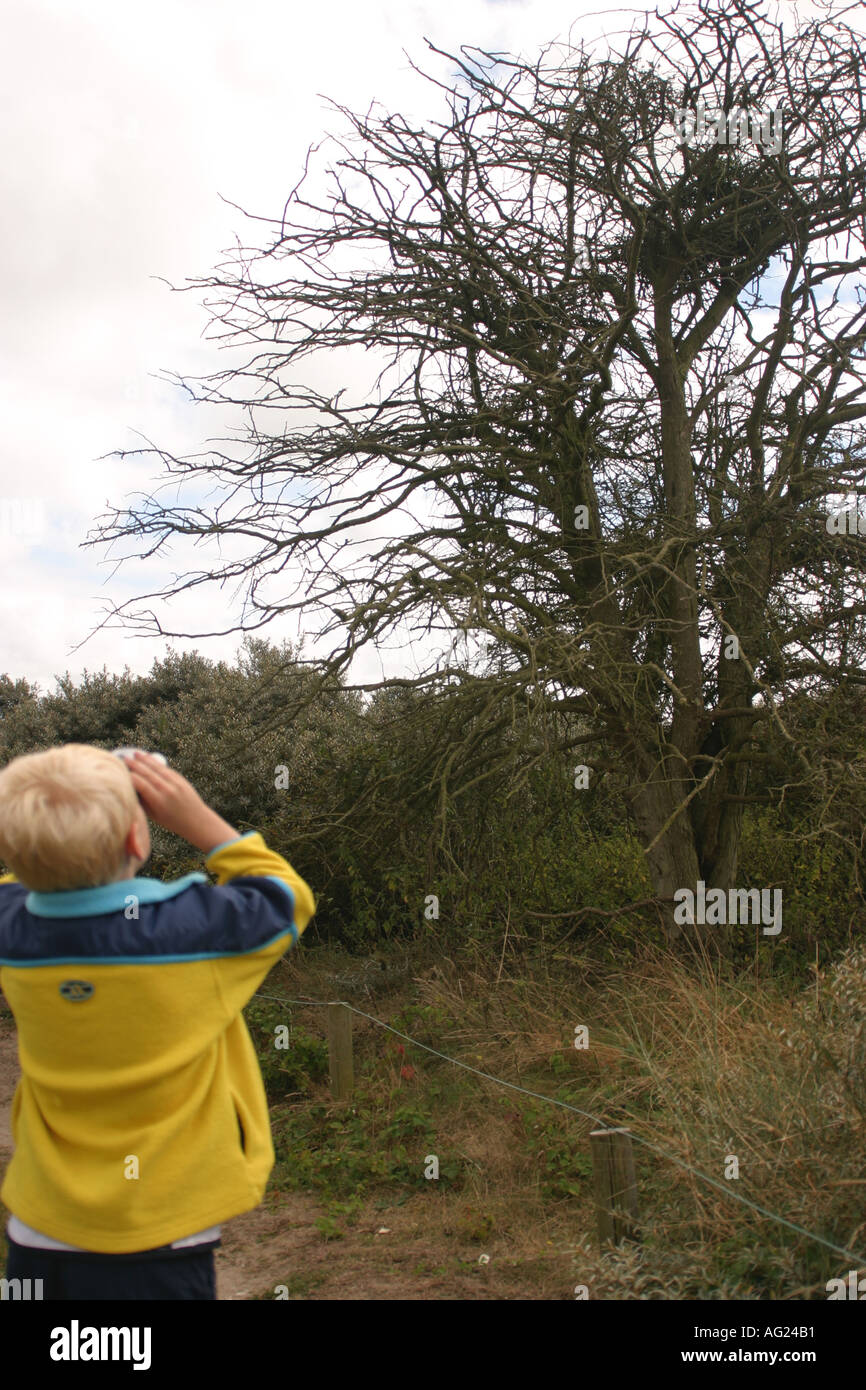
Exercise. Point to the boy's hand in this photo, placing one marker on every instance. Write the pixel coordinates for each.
(173, 802)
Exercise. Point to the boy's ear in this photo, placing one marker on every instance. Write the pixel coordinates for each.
(136, 844)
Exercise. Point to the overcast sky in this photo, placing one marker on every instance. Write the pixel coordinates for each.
(123, 123)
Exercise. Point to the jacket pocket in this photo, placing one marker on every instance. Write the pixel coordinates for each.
(241, 1135)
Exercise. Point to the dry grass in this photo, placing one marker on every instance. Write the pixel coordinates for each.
(705, 1070)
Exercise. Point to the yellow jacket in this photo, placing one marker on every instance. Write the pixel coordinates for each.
(141, 1116)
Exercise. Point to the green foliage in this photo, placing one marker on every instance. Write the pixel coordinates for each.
(363, 817)
(366, 1146)
(422, 1021)
(328, 1228)
(559, 1163)
(475, 1225)
(815, 876)
(293, 1070)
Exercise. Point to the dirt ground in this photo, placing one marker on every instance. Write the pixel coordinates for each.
(385, 1254)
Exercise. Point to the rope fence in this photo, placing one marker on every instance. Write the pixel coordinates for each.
(613, 1167)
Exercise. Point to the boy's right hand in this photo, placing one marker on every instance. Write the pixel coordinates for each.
(173, 802)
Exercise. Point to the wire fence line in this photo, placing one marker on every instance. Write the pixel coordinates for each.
(858, 1259)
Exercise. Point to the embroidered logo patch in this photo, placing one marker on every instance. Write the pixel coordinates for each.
(76, 990)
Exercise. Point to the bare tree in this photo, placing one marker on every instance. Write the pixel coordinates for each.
(618, 308)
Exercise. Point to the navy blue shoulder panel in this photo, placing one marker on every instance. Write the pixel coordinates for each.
(200, 922)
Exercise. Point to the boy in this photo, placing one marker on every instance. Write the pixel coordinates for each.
(140, 1120)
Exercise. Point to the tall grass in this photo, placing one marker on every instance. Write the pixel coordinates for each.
(725, 1076)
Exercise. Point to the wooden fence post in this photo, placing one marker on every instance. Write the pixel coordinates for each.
(615, 1185)
(340, 1051)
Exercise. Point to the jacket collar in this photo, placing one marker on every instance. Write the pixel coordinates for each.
(108, 897)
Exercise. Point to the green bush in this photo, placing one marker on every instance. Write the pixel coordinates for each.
(292, 1070)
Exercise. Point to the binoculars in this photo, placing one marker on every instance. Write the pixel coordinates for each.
(125, 753)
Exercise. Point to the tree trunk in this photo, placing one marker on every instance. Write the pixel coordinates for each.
(674, 864)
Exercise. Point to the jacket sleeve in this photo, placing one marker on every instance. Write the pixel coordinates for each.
(270, 907)
(5, 878)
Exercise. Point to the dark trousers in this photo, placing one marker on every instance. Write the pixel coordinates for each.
(71, 1275)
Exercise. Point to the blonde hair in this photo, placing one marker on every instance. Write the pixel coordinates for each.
(64, 817)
